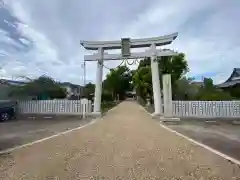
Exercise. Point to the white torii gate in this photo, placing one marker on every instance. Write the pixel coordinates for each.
(126, 45)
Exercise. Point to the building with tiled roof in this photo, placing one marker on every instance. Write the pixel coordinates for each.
(233, 80)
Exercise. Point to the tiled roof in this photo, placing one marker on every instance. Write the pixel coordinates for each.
(228, 84)
(237, 71)
(231, 81)
(6, 81)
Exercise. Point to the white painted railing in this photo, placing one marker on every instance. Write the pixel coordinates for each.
(206, 108)
(75, 107)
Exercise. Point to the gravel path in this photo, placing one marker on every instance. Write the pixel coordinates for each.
(126, 144)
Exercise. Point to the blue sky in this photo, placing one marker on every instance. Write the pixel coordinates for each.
(42, 37)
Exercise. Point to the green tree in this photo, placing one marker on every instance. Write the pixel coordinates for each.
(176, 66)
(142, 81)
(208, 84)
(42, 87)
(117, 82)
(233, 91)
(210, 93)
(89, 90)
(187, 89)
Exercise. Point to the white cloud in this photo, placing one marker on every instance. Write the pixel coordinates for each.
(208, 33)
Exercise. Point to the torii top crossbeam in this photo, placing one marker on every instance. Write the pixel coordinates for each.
(107, 57)
(134, 43)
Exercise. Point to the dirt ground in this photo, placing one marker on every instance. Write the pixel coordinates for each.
(125, 144)
(22, 131)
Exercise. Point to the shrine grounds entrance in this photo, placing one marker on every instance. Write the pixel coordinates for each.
(126, 44)
(121, 144)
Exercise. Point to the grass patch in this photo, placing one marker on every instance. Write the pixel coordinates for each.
(150, 108)
(107, 106)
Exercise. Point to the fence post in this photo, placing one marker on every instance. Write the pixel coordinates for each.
(89, 106)
(84, 103)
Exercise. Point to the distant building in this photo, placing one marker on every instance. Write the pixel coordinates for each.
(232, 81)
(72, 89)
(198, 83)
(131, 94)
(5, 87)
(12, 82)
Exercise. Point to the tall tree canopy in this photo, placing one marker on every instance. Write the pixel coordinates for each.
(117, 82)
(41, 87)
(187, 89)
(176, 66)
(142, 80)
(89, 91)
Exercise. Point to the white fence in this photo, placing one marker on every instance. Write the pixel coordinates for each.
(206, 108)
(75, 107)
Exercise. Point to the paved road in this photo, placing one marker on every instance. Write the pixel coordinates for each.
(17, 132)
(126, 144)
(224, 138)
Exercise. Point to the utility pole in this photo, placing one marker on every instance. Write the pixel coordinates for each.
(82, 90)
(84, 75)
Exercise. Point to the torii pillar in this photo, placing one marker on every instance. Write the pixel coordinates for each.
(156, 82)
(98, 86)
